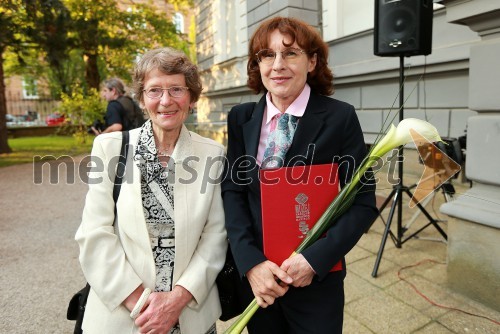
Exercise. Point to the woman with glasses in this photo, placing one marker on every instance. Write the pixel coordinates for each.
(288, 62)
(153, 270)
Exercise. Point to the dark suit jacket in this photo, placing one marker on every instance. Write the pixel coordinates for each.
(330, 130)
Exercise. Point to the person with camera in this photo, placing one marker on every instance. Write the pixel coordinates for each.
(122, 112)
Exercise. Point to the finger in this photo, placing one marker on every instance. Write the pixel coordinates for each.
(261, 302)
(283, 276)
(280, 290)
(285, 265)
(284, 285)
(143, 318)
(269, 300)
(304, 280)
(271, 290)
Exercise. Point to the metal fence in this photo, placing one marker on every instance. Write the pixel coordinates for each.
(24, 112)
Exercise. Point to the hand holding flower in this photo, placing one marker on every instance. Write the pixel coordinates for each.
(299, 269)
(262, 279)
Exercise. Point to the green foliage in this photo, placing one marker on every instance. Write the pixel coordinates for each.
(12, 15)
(48, 28)
(12, 18)
(61, 42)
(111, 37)
(182, 4)
(76, 43)
(24, 149)
(82, 110)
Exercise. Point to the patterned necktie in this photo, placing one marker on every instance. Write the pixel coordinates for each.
(279, 141)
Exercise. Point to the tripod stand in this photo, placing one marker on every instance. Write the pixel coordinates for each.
(397, 194)
(448, 193)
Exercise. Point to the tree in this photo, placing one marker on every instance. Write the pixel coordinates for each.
(11, 16)
(111, 38)
(49, 54)
(48, 27)
(76, 43)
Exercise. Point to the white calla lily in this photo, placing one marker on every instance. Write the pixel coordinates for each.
(400, 135)
(385, 144)
(423, 128)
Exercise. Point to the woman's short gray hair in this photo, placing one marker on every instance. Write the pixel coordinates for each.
(168, 61)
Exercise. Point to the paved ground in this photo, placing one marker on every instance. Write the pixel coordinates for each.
(40, 271)
(38, 254)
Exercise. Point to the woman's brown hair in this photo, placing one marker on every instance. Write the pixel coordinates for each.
(307, 37)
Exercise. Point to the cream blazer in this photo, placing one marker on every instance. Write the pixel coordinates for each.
(115, 261)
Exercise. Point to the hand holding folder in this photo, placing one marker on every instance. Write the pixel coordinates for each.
(293, 199)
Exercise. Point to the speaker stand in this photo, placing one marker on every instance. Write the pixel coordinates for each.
(397, 194)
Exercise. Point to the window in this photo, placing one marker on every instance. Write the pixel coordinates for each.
(346, 17)
(30, 90)
(179, 22)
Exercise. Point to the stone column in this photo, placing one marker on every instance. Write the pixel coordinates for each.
(474, 226)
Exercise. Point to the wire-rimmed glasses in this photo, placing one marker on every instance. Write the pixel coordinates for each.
(267, 56)
(174, 91)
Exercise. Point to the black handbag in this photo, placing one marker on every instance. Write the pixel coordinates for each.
(76, 307)
(229, 283)
(77, 304)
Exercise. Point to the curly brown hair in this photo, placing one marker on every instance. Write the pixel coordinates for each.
(307, 37)
(168, 61)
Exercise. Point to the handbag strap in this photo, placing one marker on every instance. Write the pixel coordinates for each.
(120, 172)
(120, 169)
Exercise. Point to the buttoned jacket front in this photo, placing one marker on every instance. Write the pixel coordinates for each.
(117, 259)
(328, 132)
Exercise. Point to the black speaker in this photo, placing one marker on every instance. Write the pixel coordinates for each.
(403, 28)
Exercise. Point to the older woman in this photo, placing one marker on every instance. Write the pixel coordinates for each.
(169, 235)
(288, 62)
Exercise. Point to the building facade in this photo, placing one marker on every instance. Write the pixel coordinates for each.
(455, 88)
(368, 82)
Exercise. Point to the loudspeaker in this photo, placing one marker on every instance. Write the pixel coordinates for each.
(403, 28)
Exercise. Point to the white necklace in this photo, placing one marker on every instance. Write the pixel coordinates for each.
(164, 152)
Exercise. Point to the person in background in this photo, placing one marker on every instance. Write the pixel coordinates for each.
(288, 62)
(122, 112)
(161, 257)
(112, 89)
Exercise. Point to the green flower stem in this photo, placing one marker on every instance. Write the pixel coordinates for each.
(332, 213)
(337, 207)
(238, 326)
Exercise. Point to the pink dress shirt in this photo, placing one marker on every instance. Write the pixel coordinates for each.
(297, 108)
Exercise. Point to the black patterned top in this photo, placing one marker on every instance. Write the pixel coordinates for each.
(157, 193)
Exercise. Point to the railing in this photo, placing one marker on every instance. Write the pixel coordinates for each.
(25, 112)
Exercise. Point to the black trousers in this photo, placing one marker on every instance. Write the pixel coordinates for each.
(315, 309)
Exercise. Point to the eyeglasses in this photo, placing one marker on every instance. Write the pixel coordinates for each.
(157, 92)
(267, 56)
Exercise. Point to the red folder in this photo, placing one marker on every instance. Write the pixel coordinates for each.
(293, 199)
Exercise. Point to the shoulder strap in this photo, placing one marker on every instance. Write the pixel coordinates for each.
(120, 169)
(127, 104)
